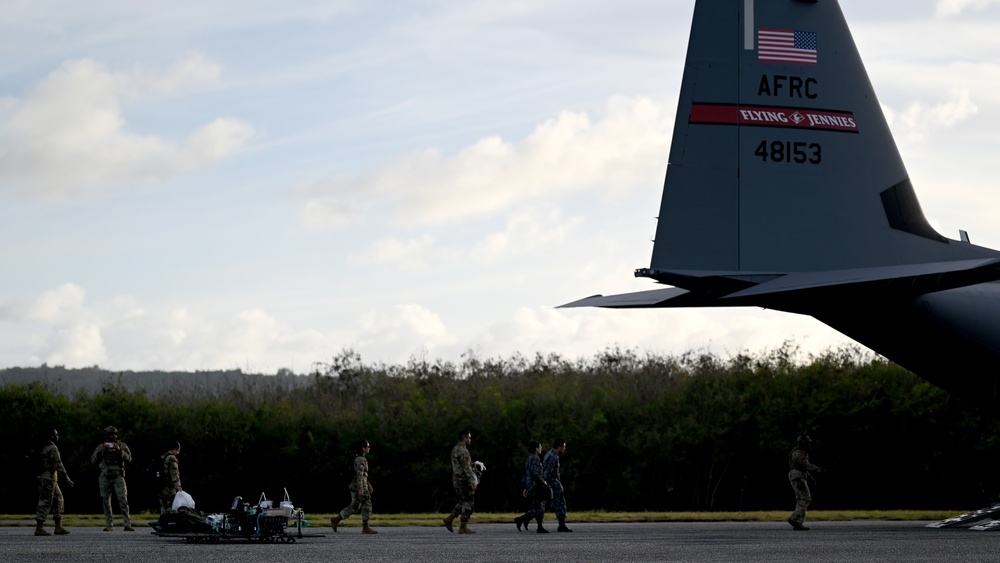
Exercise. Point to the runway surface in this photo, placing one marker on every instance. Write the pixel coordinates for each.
(727, 541)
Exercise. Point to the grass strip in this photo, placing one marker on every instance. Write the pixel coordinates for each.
(431, 519)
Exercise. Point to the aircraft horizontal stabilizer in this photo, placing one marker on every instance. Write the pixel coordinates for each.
(914, 279)
(639, 299)
(715, 289)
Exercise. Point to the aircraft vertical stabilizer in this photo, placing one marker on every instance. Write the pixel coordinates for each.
(781, 157)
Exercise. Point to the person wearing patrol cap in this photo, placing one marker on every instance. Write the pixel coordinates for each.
(170, 475)
(550, 471)
(465, 481)
(111, 456)
(799, 470)
(361, 491)
(536, 490)
(50, 497)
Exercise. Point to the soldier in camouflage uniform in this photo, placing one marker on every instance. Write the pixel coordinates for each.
(361, 492)
(111, 456)
(535, 489)
(50, 498)
(798, 474)
(465, 481)
(171, 475)
(550, 472)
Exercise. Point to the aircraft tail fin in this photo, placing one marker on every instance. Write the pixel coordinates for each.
(782, 160)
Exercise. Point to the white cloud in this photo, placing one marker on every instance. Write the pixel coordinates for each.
(571, 152)
(69, 134)
(57, 327)
(947, 8)
(919, 120)
(403, 328)
(211, 143)
(410, 255)
(52, 307)
(337, 206)
(78, 345)
(60, 328)
(252, 340)
(582, 332)
(526, 232)
(63, 329)
(195, 69)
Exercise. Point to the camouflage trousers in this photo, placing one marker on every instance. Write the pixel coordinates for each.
(362, 504)
(802, 500)
(116, 484)
(166, 496)
(466, 501)
(50, 499)
(537, 509)
(558, 502)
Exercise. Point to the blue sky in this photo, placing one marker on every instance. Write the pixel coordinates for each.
(259, 185)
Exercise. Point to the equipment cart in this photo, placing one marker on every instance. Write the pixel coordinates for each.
(260, 523)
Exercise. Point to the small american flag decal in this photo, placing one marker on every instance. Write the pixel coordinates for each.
(786, 46)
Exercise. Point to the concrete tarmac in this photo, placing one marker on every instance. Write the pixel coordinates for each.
(859, 541)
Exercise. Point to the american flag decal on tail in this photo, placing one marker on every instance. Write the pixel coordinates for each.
(786, 46)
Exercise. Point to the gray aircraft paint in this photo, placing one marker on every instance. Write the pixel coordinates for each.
(785, 190)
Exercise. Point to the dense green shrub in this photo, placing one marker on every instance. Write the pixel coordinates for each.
(645, 432)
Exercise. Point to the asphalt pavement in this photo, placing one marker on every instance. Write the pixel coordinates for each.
(858, 541)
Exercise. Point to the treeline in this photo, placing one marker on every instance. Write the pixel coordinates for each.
(154, 383)
(645, 432)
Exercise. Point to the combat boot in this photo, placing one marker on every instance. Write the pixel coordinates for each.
(60, 531)
(448, 521)
(366, 530)
(521, 521)
(335, 521)
(797, 527)
(39, 530)
(541, 529)
(464, 529)
(562, 526)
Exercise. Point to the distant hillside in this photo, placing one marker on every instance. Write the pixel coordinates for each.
(153, 383)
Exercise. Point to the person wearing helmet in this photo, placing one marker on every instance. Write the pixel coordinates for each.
(111, 456)
(798, 474)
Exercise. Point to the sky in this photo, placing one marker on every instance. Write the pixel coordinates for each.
(260, 185)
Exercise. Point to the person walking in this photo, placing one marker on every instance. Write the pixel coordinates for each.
(50, 497)
(111, 456)
(171, 475)
(535, 489)
(465, 481)
(799, 470)
(361, 492)
(550, 472)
